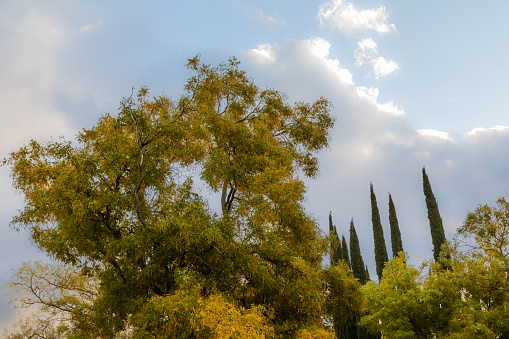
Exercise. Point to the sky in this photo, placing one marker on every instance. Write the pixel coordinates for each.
(412, 83)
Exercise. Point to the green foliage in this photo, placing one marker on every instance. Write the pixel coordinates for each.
(119, 203)
(343, 297)
(403, 306)
(435, 220)
(469, 300)
(378, 235)
(344, 252)
(397, 244)
(358, 267)
(483, 269)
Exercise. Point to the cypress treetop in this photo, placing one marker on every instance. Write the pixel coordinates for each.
(435, 220)
(355, 256)
(378, 235)
(397, 244)
(335, 246)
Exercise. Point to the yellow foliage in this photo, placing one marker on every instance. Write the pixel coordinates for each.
(314, 333)
(224, 320)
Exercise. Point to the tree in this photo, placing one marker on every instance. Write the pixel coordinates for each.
(344, 250)
(435, 220)
(335, 251)
(355, 256)
(469, 300)
(404, 305)
(343, 299)
(483, 269)
(118, 201)
(378, 235)
(366, 274)
(60, 292)
(397, 244)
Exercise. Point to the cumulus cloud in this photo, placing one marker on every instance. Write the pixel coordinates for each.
(366, 49)
(382, 67)
(434, 134)
(482, 130)
(344, 16)
(264, 52)
(372, 93)
(318, 49)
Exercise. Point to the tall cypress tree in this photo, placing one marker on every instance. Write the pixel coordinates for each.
(378, 235)
(355, 256)
(344, 252)
(338, 250)
(360, 271)
(397, 244)
(366, 273)
(435, 220)
(335, 246)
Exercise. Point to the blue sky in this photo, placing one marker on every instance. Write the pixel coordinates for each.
(413, 84)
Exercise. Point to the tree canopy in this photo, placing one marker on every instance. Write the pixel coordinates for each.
(120, 204)
(469, 299)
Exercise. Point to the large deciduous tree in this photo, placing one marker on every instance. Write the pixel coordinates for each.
(119, 203)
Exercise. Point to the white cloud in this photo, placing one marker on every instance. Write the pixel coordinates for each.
(434, 133)
(372, 93)
(344, 16)
(270, 20)
(366, 49)
(481, 130)
(382, 67)
(320, 48)
(265, 53)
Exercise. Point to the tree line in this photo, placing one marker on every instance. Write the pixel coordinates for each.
(339, 252)
(137, 252)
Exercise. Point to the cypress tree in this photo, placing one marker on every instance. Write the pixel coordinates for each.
(366, 273)
(335, 246)
(344, 252)
(360, 271)
(435, 220)
(397, 244)
(338, 251)
(355, 256)
(378, 235)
